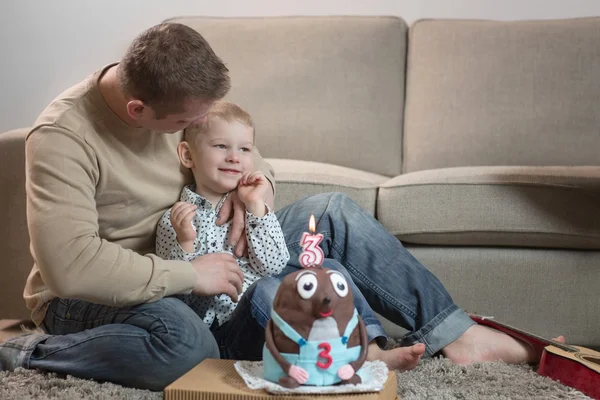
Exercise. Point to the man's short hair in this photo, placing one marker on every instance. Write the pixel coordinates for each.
(224, 110)
(170, 63)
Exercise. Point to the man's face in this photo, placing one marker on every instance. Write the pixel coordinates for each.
(195, 111)
(221, 156)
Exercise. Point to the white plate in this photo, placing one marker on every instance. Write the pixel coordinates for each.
(373, 374)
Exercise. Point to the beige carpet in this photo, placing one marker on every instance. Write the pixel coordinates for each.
(432, 379)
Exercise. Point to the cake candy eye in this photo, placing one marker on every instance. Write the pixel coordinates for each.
(339, 284)
(307, 286)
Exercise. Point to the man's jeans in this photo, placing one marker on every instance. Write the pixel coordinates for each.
(394, 283)
(150, 345)
(243, 336)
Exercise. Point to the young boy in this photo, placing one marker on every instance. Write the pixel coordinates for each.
(219, 153)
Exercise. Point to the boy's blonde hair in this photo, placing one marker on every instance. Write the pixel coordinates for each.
(224, 110)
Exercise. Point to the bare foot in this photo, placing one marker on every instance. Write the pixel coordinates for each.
(399, 358)
(480, 343)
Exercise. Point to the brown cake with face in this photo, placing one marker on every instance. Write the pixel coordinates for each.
(315, 336)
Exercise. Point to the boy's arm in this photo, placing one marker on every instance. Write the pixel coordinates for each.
(167, 246)
(74, 261)
(227, 211)
(267, 250)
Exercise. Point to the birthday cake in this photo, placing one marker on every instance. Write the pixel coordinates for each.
(315, 335)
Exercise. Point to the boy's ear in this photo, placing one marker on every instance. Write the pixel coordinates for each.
(185, 154)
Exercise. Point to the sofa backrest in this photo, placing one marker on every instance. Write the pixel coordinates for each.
(16, 261)
(328, 89)
(502, 93)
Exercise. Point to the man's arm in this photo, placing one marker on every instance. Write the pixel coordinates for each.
(74, 261)
(267, 169)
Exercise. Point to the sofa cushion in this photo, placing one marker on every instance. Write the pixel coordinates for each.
(16, 261)
(296, 179)
(502, 93)
(326, 89)
(556, 207)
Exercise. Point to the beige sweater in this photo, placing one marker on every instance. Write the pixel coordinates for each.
(96, 189)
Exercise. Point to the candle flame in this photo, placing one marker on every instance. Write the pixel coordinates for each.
(311, 224)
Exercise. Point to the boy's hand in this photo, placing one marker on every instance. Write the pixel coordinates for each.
(182, 214)
(252, 189)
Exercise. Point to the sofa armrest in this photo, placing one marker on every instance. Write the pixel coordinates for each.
(15, 261)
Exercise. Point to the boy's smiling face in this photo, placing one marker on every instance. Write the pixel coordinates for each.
(221, 156)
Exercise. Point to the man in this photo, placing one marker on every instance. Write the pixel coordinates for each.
(101, 170)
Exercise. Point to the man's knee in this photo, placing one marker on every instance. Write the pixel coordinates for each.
(263, 294)
(336, 266)
(330, 199)
(187, 335)
(264, 291)
(180, 341)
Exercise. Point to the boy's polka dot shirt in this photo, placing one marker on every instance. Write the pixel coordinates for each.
(268, 253)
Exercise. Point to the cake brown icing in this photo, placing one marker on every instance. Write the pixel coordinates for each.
(309, 301)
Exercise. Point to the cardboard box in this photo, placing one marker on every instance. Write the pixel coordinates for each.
(215, 379)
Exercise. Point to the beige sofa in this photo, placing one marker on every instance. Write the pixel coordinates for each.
(476, 143)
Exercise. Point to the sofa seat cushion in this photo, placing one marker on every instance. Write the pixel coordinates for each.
(552, 207)
(296, 179)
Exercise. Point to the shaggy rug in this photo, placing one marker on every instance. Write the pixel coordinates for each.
(434, 378)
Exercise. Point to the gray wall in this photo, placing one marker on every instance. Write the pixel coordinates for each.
(46, 46)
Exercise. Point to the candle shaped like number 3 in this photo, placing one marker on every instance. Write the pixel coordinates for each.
(312, 253)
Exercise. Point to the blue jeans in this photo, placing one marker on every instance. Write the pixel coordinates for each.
(395, 284)
(243, 336)
(150, 345)
(145, 346)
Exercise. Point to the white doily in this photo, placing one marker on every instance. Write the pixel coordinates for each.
(373, 375)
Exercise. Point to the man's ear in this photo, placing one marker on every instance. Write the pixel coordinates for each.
(136, 109)
(185, 154)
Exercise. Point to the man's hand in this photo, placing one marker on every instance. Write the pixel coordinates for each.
(217, 273)
(252, 190)
(182, 214)
(237, 235)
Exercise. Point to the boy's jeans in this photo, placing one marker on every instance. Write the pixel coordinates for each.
(151, 345)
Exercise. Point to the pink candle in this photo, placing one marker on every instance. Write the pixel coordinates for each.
(312, 253)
